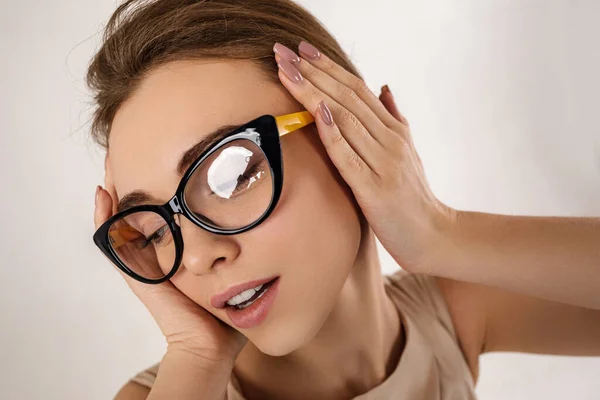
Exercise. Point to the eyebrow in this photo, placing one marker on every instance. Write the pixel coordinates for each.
(139, 197)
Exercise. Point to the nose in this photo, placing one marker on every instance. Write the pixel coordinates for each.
(203, 250)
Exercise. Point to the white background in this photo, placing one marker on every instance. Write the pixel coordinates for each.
(501, 96)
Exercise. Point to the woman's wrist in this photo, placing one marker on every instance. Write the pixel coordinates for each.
(439, 243)
(463, 241)
(185, 374)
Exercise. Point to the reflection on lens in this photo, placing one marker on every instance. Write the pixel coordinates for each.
(144, 243)
(233, 187)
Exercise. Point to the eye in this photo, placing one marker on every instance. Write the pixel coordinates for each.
(156, 238)
(244, 181)
(245, 177)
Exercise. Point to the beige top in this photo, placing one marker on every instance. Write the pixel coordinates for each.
(431, 367)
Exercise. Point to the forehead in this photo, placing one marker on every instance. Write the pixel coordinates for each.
(174, 107)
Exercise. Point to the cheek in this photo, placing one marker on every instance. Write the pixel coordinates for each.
(315, 214)
(313, 239)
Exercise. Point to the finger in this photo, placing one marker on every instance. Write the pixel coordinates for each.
(109, 183)
(325, 64)
(350, 165)
(349, 132)
(388, 101)
(345, 96)
(102, 212)
(103, 208)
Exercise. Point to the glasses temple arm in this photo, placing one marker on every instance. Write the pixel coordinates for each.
(291, 122)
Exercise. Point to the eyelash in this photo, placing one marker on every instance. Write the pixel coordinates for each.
(155, 237)
(248, 174)
(245, 177)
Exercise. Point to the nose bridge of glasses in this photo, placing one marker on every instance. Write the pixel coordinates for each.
(175, 206)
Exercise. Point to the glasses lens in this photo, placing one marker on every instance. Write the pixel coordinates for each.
(233, 187)
(144, 243)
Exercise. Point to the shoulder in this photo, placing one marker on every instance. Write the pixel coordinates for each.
(138, 387)
(427, 298)
(133, 391)
(418, 293)
(467, 312)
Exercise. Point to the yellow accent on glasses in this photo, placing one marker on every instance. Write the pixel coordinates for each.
(291, 122)
(285, 124)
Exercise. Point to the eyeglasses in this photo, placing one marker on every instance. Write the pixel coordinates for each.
(230, 188)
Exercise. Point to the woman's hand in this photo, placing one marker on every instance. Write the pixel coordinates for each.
(370, 143)
(187, 327)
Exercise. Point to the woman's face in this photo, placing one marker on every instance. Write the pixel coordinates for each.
(310, 240)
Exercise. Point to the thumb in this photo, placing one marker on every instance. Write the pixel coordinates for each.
(387, 98)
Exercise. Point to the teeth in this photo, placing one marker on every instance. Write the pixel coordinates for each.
(244, 296)
(252, 302)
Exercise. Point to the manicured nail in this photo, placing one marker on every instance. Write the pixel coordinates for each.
(286, 53)
(385, 89)
(290, 71)
(325, 113)
(97, 195)
(308, 50)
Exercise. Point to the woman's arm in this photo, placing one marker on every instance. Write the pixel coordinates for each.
(132, 391)
(185, 375)
(519, 283)
(554, 258)
(489, 319)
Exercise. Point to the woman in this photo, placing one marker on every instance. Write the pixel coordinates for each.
(279, 293)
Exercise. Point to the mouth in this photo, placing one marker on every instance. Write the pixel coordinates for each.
(241, 293)
(247, 305)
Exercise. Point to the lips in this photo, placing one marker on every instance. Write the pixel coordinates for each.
(220, 300)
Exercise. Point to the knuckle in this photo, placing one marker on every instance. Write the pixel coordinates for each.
(403, 148)
(336, 137)
(395, 145)
(350, 119)
(309, 71)
(354, 160)
(360, 87)
(349, 93)
(397, 126)
(328, 64)
(314, 94)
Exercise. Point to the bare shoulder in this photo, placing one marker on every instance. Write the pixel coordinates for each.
(133, 391)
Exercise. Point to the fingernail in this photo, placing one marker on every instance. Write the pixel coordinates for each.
(286, 53)
(325, 113)
(309, 50)
(290, 71)
(385, 89)
(97, 195)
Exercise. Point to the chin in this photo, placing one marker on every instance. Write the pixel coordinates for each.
(278, 346)
(274, 349)
(284, 338)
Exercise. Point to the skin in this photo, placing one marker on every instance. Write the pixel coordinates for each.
(318, 241)
(503, 277)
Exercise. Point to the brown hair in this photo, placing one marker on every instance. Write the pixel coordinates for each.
(143, 34)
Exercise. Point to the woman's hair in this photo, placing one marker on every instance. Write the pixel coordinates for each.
(144, 34)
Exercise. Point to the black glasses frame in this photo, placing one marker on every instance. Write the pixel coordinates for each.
(263, 132)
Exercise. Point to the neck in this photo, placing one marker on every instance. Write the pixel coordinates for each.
(357, 348)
